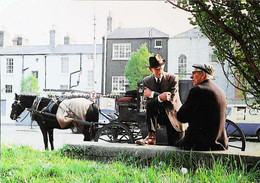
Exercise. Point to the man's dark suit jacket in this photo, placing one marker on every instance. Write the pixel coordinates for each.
(205, 112)
(170, 83)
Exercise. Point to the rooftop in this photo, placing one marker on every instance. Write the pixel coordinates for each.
(148, 32)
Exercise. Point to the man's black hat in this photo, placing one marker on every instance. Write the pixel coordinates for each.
(156, 61)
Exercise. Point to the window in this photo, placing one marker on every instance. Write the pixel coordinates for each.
(122, 51)
(241, 113)
(64, 64)
(182, 65)
(8, 88)
(158, 43)
(35, 73)
(213, 58)
(3, 107)
(9, 65)
(90, 78)
(119, 83)
(64, 86)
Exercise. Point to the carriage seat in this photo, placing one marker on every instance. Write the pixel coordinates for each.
(127, 102)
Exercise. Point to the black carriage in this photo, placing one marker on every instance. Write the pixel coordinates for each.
(128, 123)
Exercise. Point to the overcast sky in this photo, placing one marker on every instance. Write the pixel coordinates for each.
(32, 19)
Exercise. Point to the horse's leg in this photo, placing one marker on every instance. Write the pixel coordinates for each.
(91, 116)
(87, 133)
(51, 138)
(45, 137)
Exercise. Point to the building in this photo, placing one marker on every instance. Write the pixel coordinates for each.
(118, 46)
(192, 47)
(63, 66)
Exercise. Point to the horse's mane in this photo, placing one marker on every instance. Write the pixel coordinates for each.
(24, 95)
(33, 96)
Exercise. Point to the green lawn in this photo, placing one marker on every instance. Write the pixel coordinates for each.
(24, 164)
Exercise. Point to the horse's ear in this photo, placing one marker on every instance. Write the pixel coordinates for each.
(16, 96)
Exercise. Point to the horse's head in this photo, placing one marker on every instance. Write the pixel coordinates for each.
(17, 108)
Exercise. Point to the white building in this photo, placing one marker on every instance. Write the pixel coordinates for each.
(56, 67)
(192, 47)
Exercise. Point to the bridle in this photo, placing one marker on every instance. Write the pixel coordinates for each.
(18, 104)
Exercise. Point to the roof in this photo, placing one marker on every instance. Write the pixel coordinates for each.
(194, 32)
(47, 50)
(148, 32)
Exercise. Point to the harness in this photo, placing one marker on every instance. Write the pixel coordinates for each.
(35, 106)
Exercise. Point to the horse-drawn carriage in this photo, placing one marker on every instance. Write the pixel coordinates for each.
(126, 126)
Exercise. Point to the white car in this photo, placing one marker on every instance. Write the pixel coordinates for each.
(246, 118)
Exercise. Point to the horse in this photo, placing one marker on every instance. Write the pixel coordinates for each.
(48, 122)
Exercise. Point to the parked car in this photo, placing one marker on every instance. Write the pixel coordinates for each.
(246, 118)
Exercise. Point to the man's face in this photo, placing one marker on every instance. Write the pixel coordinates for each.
(158, 71)
(197, 76)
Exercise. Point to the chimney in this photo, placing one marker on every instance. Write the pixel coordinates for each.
(19, 40)
(52, 38)
(1, 39)
(109, 23)
(15, 40)
(66, 40)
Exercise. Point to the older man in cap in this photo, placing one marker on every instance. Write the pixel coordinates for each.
(205, 112)
(161, 91)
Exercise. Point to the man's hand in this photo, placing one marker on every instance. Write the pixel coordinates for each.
(147, 92)
(165, 96)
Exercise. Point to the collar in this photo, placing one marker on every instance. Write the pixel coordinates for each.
(158, 78)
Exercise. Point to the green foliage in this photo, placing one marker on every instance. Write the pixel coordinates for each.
(233, 28)
(24, 164)
(30, 85)
(137, 67)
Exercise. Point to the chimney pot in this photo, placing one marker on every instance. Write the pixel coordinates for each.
(1, 39)
(52, 38)
(66, 40)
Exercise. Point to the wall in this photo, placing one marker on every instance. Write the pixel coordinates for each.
(117, 67)
(197, 50)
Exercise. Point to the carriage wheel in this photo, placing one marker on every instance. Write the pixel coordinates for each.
(114, 133)
(236, 137)
(135, 130)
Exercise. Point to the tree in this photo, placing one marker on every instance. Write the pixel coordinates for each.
(233, 27)
(138, 66)
(30, 85)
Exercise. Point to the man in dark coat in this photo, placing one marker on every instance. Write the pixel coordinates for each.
(205, 112)
(161, 91)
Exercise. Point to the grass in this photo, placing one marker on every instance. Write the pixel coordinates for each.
(24, 164)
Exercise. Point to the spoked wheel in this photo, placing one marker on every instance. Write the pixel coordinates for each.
(135, 130)
(236, 137)
(114, 133)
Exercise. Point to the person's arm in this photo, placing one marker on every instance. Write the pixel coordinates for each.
(174, 87)
(170, 95)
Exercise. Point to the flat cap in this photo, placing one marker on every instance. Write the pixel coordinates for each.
(209, 69)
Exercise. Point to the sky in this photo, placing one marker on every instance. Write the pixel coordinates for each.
(33, 19)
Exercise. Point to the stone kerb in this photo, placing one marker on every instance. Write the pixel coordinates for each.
(110, 151)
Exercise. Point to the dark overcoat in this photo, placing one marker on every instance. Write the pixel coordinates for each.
(169, 83)
(205, 112)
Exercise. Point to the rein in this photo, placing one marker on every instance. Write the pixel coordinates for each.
(24, 117)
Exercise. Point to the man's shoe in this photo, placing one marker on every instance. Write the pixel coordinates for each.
(150, 140)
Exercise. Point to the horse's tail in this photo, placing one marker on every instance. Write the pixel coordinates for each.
(92, 113)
